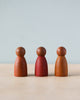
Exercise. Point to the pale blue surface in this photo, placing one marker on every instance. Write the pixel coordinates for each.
(34, 23)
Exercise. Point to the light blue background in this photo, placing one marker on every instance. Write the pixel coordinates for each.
(34, 23)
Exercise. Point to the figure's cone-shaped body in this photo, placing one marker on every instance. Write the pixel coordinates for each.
(61, 66)
(20, 66)
(41, 67)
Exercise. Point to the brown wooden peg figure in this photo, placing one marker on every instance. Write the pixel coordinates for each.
(61, 66)
(20, 66)
(41, 67)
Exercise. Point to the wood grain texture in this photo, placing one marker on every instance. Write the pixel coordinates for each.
(39, 88)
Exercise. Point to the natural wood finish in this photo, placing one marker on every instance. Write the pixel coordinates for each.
(39, 88)
(20, 65)
(61, 66)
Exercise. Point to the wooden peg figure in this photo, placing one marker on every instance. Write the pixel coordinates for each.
(20, 66)
(41, 67)
(61, 66)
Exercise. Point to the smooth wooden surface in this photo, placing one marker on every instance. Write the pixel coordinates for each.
(39, 88)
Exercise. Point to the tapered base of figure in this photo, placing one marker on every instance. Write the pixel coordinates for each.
(61, 67)
(20, 67)
(41, 68)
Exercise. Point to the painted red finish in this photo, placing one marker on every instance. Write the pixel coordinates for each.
(41, 67)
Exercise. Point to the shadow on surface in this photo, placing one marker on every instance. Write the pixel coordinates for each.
(30, 75)
(51, 75)
(74, 74)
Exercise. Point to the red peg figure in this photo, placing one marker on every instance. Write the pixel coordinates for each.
(41, 67)
(61, 66)
(20, 66)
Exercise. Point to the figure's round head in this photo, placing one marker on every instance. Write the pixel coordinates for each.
(20, 51)
(61, 51)
(41, 51)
